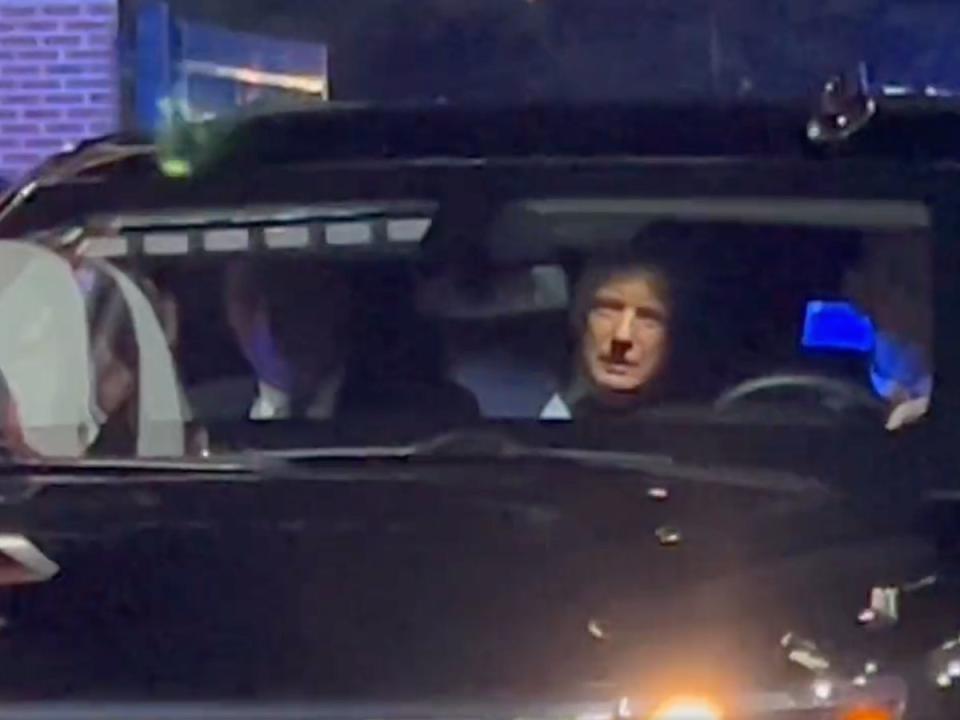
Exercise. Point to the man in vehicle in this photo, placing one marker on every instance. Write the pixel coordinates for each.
(298, 356)
(322, 343)
(621, 315)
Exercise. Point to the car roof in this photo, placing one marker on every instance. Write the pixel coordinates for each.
(334, 154)
(894, 128)
(901, 128)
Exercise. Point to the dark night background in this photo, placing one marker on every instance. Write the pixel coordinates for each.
(414, 50)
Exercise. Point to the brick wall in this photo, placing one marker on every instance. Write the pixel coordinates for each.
(57, 77)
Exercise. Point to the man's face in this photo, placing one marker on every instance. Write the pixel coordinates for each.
(625, 340)
(287, 345)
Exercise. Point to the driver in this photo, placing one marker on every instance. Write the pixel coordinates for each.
(621, 319)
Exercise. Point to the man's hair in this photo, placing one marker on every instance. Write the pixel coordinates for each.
(657, 253)
(600, 272)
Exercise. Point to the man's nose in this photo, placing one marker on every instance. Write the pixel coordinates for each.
(624, 329)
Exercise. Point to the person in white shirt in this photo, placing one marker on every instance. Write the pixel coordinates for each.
(290, 322)
(621, 319)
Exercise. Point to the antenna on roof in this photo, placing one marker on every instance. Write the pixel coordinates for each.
(846, 106)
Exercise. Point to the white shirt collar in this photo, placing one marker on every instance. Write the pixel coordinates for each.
(274, 404)
(556, 409)
(271, 403)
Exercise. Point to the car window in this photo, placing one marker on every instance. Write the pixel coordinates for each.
(170, 339)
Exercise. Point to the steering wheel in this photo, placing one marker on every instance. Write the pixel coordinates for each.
(833, 393)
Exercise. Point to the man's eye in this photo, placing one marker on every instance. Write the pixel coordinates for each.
(605, 313)
(608, 306)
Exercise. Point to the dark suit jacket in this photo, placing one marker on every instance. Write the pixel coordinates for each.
(230, 399)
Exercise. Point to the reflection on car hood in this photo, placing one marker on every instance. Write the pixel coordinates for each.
(359, 590)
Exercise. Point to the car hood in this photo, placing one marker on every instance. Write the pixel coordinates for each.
(408, 590)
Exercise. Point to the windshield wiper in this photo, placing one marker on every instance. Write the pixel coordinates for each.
(492, 447)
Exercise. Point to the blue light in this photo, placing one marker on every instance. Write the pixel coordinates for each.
(152, 60)
(836, 325)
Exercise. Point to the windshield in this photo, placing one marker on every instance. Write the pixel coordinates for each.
(221, 55)
(158, 340)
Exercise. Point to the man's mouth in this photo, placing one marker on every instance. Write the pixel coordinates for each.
(616, 366)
